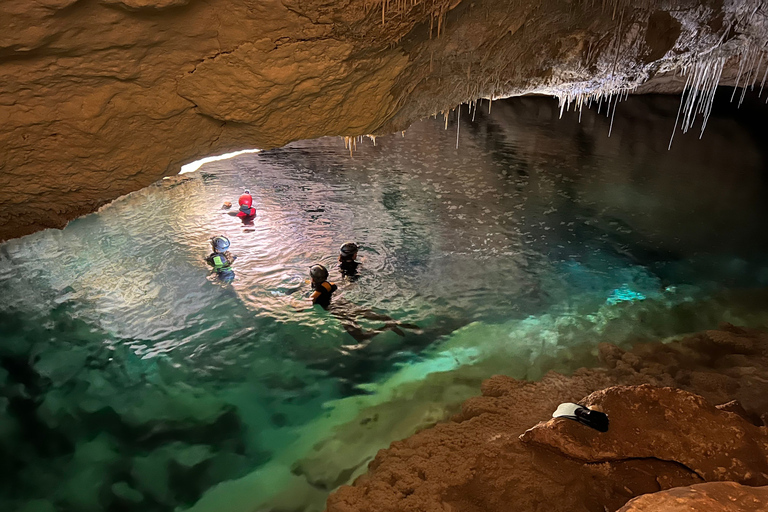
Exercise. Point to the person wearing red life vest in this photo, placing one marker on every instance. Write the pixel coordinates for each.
(247, 211)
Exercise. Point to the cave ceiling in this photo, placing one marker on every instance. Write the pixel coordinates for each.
(102, 97)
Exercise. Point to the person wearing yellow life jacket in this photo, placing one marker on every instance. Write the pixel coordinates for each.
(323, 290)
(221, 259)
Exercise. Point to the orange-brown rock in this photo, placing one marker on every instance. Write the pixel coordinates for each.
(477, 463)
(667, 424)
(102, 97)
(720, 365)
(709, 497)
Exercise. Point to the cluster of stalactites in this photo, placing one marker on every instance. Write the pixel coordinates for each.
(350, 143)
(399, 9)
(702, 73)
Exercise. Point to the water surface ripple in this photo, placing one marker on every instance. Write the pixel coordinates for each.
(125, 353)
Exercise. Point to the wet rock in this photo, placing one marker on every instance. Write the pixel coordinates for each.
(89, 473)
(345, 454)
(22, 375)
(14, 345)
(61, 365)
(228, 466)
(125, 492)
(7, 424)
(177, 403)
(38, 506)
(720, 365)
(709, 497)
(189, 456)
(83, 489)
(174, 472)
(55, 407)
(476, 462)
(662, 423)
(42, 438)
(151, 475)
(735, 407)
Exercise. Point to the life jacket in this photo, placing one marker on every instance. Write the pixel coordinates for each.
(219, 262)
(326, 290)
(246, 211)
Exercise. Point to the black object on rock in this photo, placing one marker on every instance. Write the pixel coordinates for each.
(594, 419)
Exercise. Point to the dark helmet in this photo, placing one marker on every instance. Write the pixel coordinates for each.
(318, 271)
(349, 249)
(220, 243)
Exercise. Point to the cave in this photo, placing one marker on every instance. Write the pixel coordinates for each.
(308, 255)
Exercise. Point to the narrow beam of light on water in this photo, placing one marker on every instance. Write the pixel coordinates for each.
(191, 167)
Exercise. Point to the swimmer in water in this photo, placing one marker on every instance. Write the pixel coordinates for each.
(246, 212)
(348, 312)
(323, 290)
(347, 264)
(221, 259)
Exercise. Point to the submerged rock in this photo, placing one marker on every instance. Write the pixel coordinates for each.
(126, 493)
(38, 506)
(89, 473)
(61, 365)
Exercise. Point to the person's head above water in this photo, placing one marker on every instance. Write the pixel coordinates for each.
(348, 252)
(318, 273)
(246, 199)
(220, 243)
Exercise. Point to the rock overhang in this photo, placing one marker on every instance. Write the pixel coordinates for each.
(100, 98)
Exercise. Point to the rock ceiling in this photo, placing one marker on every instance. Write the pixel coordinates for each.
(102, 97)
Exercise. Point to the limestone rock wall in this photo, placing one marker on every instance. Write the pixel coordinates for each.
(102, 97)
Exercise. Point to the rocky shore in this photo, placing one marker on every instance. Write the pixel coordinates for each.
(682, 414)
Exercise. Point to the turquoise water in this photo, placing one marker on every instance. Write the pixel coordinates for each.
(133, 380)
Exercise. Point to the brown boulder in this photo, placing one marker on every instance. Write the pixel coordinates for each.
(710, 497)
(660, 438)
(667, 424)
(477, 463)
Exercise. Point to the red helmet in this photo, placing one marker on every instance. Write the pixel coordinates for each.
(246, 199)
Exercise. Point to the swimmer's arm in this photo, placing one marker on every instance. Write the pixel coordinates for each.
(301, 305)
(311, 299)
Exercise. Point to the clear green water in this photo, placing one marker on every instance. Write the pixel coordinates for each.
(133, 380)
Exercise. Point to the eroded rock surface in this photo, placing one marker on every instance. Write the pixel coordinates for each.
(476, 462)
(666, 424)
(712, 497)
(99, 98)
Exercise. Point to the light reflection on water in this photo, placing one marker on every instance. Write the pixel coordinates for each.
(529, 216)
